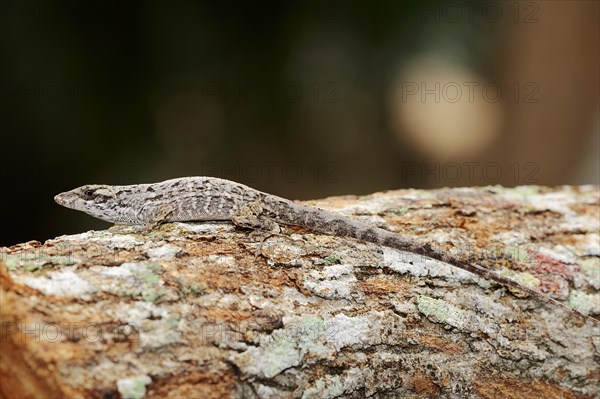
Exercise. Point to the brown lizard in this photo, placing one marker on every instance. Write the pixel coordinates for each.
(207, 198)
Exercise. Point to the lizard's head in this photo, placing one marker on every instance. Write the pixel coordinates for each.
(99, 201)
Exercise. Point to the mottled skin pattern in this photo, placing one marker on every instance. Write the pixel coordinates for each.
(209, 198)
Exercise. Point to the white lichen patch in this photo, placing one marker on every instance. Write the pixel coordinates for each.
(60, 283)
(337, 271)
(419, 266)
(270, 360)
(167, 251)
(333, 282)
(124, 271)
(133, 387)
(156, 334)
(559, 253)
(205, 228)
(557, 201)
(577, 223)
(486, 304)
(343, 330)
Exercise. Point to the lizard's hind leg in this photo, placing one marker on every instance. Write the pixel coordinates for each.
(251, 216)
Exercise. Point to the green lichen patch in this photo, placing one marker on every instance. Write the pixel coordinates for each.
(447, 313)
(268, 361)
(147, 276)
(31, 262)
(435, 308)
(591, 268)
(398, 211)
(151, 295)
(525, 191)
(464, 320)
(310, 334)
(585, 303)
(133, 280)
(331, 260)
(278, 356)
(32, 267)
(192, 290)
(524, 278)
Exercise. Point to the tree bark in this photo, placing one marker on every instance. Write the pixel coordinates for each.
(205, 310)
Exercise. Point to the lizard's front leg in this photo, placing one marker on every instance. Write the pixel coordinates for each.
(158, 215)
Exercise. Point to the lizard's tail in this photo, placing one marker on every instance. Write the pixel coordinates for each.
(333, 223)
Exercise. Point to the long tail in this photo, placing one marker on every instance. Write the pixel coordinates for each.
(333, 223)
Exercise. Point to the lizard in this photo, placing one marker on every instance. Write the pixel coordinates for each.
(191, 199)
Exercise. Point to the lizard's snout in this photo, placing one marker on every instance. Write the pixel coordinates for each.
(60, 199)
(57, 199)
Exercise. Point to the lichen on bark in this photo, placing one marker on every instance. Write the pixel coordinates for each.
(204, 310)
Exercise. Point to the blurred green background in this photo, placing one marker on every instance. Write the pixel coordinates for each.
(303, 99)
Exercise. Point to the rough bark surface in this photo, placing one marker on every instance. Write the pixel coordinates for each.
(201, 310)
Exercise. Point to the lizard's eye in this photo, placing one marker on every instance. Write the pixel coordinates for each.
(89, 193)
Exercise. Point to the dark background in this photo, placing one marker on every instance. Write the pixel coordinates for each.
(303, 99)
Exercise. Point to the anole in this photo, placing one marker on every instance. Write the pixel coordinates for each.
(207, 198)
